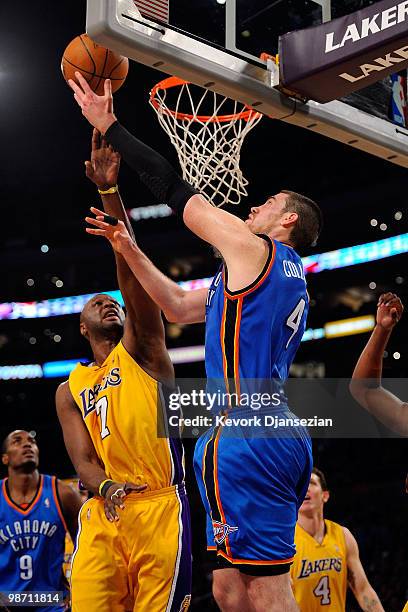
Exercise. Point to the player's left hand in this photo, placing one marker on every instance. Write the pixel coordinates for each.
(389, 310)
(97, 109)
(117, 234)
(103, 169)
(115, 498)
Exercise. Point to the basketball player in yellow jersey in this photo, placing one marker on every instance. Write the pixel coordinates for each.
(133, 547)
(327, 558)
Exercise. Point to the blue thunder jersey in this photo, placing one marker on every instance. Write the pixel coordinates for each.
(32, 541)
(254, 333)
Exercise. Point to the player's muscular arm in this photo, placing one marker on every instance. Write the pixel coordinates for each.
(71, 503)
(226, 232)
(177, 304)
(144, 331)
(77, 440)
(365, 385)
(84, 458)
(357, 579)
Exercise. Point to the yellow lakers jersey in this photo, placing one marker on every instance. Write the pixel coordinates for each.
(69, 549)
(120, 405)
(319, 571)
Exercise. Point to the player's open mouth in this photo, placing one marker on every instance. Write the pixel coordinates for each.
(111, 315)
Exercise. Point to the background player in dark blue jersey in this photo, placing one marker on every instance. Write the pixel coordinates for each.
(256, 312)
(36, 510)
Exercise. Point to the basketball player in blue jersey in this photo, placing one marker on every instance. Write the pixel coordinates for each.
(36, 510)
(255, 315)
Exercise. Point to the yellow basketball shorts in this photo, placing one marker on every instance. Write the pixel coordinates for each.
(141, 562)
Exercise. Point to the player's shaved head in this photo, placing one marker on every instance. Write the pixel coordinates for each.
(102, 317)
(13, 434)
(20, 450)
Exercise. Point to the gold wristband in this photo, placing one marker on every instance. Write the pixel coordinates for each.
(113, 189)
(102, 485)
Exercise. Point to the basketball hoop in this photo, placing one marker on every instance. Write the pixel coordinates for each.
(207, 130)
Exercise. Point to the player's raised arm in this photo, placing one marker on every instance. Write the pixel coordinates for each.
(357, 579)
(144, 336)
(366, 384)
(177, 304)
(225, 231)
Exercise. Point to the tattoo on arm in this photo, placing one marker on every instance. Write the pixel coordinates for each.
(370, 605)
(351, 578)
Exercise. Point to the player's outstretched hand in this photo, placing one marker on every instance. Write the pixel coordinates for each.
(115, 498)
(97, 109)
(389, 310)
(111, 228)
(103, 169)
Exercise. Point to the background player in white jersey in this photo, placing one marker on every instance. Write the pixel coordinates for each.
(327, 558)
(36, 510)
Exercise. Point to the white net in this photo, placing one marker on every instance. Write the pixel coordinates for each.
(207, 131)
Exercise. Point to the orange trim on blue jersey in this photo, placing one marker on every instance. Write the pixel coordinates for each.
(203, 469)
(54, 492)
(222, 340)
(216, 487)
(236, 296)
(252, 561)
(236, 348)
(32, 504)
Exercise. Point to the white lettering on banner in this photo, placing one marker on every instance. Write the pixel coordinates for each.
(381, 63)
(369, 26)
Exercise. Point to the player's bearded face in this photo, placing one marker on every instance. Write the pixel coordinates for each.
(103, 313)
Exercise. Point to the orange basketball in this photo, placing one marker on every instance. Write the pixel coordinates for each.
(95, 63)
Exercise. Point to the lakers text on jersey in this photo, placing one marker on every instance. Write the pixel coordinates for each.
(319, 571)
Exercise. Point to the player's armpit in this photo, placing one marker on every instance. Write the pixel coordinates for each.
(77, 440)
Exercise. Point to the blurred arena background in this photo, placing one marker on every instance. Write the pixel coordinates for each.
(46, 255)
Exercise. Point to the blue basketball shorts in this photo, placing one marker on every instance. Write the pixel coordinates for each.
(252, 487)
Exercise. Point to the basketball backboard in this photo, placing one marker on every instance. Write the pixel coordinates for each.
(218, 44)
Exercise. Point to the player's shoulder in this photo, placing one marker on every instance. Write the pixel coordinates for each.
(64, 400)
(350, 541)
(63, 391)
(333, 526)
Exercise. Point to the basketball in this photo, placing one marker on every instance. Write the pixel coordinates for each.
(95, 63)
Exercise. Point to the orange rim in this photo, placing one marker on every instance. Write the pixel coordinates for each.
(247, 114)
